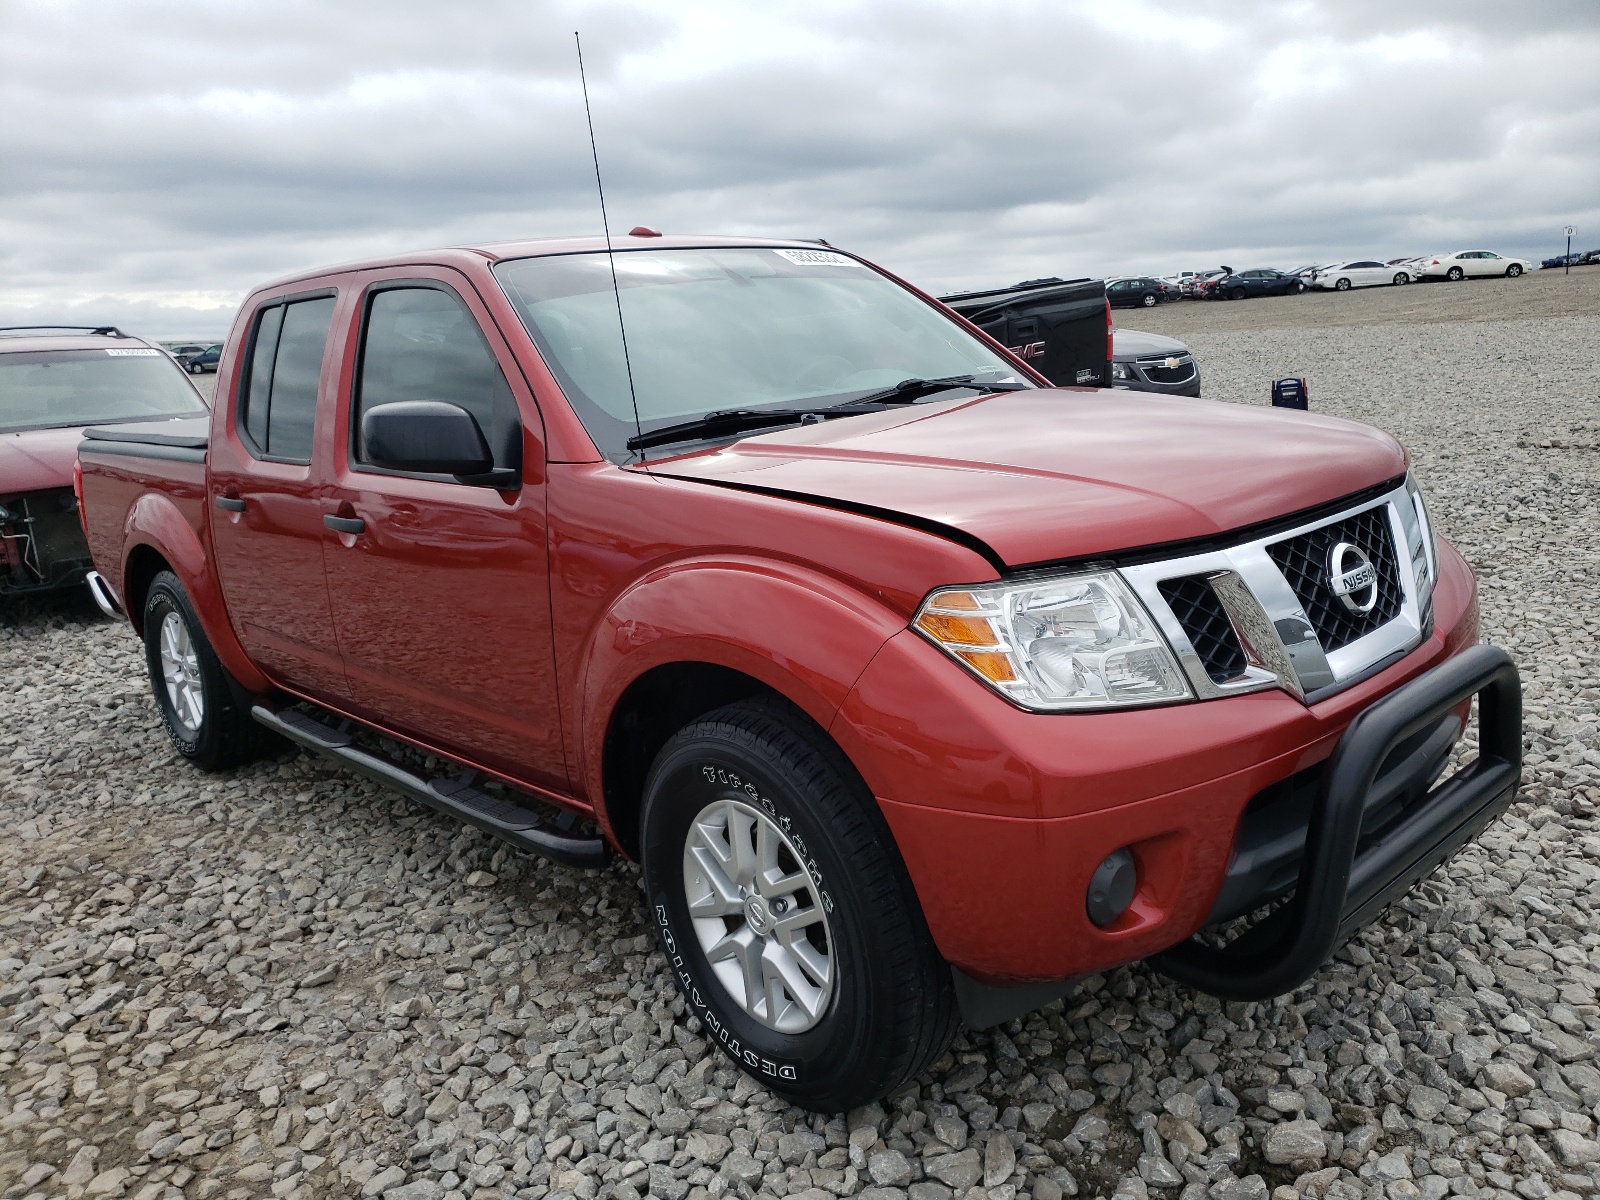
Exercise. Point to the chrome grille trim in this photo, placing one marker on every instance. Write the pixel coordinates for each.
(1281, 646)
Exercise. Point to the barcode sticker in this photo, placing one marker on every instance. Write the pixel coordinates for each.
(818, 258)
(134, 353)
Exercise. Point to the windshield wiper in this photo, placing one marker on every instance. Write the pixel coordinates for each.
(728, 420)
(909, 390)
(736, 420)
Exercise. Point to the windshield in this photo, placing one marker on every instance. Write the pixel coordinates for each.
(44, 389)
(745, 328)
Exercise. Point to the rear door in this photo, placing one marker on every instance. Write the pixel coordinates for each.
(442, 599)
(266, 518)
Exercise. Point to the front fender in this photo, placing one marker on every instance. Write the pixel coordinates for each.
(804, 634)
(156, 522)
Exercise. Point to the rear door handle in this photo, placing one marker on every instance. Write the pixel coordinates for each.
(230, 503)
(345, 524)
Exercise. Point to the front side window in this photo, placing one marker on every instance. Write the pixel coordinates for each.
(58, 389)
(279, 398)
(736, 328)
(423, 343)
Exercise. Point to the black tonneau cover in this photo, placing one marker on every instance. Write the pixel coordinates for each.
(189, 433)
(184, 439)
(1057, 325)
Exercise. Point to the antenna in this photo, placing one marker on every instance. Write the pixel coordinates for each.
(605, 224)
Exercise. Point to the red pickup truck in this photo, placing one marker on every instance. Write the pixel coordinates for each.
(918, 687)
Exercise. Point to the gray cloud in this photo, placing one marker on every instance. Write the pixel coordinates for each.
(163, 157)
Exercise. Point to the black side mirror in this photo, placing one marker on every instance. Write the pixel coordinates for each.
(433, 437)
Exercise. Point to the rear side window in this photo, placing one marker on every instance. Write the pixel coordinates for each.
(424, 344)
(279, 398)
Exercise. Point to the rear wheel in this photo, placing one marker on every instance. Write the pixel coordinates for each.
(203, 718)
(785, 912)
(1238, 293)
(1341, 285)
(1513, 270)
(1148, 300)
(1454, 274)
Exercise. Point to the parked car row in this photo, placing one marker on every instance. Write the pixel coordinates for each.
(1226, 283)
(1578, 258)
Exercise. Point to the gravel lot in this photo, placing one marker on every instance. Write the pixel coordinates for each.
(286, 982)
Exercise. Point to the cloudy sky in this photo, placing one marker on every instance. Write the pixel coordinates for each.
(159, 157)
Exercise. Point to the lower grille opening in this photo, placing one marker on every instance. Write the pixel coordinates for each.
(1272, 833)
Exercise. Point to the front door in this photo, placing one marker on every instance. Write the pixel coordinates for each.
(441, 598)
(266, 518)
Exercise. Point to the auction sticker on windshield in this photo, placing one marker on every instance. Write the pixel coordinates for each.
(134, 353)
(818, 258)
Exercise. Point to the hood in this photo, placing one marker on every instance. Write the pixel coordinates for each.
(34, 459)
(1049, 474)
(1129, 344)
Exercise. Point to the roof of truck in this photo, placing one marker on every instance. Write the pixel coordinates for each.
(531, 247)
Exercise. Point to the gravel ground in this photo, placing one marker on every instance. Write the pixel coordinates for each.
(287, 982)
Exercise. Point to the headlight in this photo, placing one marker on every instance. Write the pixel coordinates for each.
(1077, 642)
(1424, 547)
(1120, 371)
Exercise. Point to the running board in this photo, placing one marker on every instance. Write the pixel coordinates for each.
(522, 827)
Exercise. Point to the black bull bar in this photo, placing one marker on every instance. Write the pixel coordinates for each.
(1340, 890)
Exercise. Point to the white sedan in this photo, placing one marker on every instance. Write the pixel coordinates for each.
(1465, 264)
(1366, 272)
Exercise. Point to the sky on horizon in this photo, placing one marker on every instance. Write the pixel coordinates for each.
(158, 158)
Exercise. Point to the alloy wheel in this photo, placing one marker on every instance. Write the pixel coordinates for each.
(757, 917)
(180, 670)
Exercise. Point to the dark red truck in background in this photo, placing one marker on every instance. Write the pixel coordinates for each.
(919, 687)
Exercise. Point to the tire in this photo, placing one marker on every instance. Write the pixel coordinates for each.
(1148, 299)
(881, 1007)
(1299, 288)
(196, 369)
(1454, 274)
(1513, 270)
(1238, 293)
(1341, 285)
(200, 706)
(1401, 279)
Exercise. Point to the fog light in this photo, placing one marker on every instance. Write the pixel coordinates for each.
(1111, 888)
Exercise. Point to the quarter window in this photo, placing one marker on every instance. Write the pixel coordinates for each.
(280, 393)
(424, 344)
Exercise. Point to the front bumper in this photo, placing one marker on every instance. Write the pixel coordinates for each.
(1345, 879)
(1002, 816)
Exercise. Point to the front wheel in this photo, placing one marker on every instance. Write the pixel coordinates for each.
(1299, 288)
(1454, 274)
(1342, 285)
(785, 912)
(1401, 278)
(204, 721)
(1513, 270)
(196, 369)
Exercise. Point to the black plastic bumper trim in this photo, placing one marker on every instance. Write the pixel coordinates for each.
(1338, 892)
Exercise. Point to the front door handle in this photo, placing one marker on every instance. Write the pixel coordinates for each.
(230, 503)
(345, 524)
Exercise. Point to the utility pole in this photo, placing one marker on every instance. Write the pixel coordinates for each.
(1570, 230)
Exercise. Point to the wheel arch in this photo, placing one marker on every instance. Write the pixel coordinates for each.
(695, 636)
(158, 537)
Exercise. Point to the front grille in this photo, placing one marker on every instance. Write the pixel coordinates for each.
(1156, 372)
(1304, 563)
(1198, 610)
